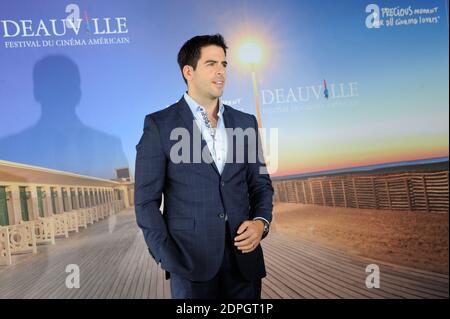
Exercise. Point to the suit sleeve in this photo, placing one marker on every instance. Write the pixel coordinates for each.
(258, 180)
(149, 182)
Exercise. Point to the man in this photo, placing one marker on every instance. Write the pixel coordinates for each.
(216, 209)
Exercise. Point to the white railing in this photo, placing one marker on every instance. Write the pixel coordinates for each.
(22, 238)
(107, 210)
(118, 205)
(96, 213)
(5, 251)
(72, 221)
(110, 208)
(93, 214)
(61, 225)
(89, 216)
(101, 213)
(82, 218)
(44, 230)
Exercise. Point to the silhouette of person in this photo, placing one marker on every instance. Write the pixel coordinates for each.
(59, 140)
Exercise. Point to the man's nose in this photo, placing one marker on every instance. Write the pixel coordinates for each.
(220, 70)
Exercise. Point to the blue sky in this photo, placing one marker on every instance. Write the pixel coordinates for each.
(402, 74)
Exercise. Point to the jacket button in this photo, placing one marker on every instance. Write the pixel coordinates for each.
(223, 183)
(222, 215)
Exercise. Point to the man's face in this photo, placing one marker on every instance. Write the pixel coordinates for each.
(208, 79)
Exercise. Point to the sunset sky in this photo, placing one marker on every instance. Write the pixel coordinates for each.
(398, 111)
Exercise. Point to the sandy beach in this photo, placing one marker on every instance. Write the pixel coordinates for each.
(414, 239)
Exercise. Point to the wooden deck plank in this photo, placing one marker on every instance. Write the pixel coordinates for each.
(304, 291)
(117, 265)
(319, 271)
(399, 270)
(297, 274)
(414, 287)
(357, 272)
(101, 274)
(389, 271)
(126, 267)
(317, 276)
(131, 271)
(269, 291)
(325, 278)
(114, 266)
(140, 278)
(94, 273)
(153, 280)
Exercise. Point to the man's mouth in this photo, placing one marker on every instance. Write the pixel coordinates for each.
(219, 83)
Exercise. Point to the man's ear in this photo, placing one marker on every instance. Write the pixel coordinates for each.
(188, 72)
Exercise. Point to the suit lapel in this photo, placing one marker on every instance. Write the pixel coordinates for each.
(188, 119)
(231, 152)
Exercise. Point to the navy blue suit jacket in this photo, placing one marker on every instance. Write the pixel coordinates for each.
(188, 237)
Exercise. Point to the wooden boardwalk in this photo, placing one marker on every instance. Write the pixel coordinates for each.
(114, 263)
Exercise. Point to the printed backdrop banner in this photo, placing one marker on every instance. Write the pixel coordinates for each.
(346, 83)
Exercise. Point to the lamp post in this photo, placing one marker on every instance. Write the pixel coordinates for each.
(250, 53)
(255, 93)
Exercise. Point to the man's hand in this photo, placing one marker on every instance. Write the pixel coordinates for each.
(249, 235)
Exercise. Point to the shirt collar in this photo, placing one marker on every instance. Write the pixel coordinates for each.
(195, 107)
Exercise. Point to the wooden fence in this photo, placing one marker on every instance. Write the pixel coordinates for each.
(407, 191)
